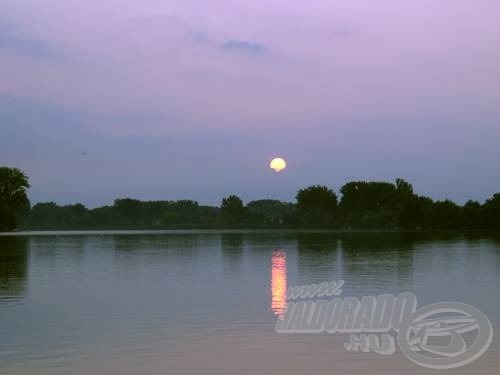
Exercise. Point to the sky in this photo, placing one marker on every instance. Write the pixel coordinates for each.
(191, 99)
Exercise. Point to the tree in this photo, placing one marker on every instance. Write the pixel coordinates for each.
(472, 215)
(316, 206)
(446, 215)
(232, 205)
(404, 188)
(232, 210)
(13, 198)
(270, 210)
(49, 215)
(491, 212)
(128, 211)
(376, 204)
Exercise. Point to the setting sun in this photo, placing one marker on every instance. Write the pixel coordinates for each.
(278, 164)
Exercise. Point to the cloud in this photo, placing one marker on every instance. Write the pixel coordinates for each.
(243, 46)
(13, 42)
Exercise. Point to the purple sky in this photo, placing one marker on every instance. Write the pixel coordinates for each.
(101, 99)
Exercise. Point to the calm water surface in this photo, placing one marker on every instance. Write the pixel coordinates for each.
(206, 303)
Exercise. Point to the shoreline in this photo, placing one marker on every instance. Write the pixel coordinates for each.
(114, 232)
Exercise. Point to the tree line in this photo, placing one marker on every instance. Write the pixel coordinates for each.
(362, 205)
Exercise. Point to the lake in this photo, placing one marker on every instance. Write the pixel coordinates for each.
(207, 303)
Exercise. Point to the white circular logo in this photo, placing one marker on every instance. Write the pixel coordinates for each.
(446, 322)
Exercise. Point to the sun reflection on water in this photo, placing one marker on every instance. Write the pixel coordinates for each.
(278, 282)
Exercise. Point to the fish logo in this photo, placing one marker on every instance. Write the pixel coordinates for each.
(445, 335)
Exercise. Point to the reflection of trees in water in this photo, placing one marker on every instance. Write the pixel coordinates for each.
(489, 241)
(136, 251)
(60, 253)
(381, 259)
(496, 244)
(317, 256)
(356, 257)
(269, 240)
(176, 242)
(60, 246)
(232, 250)
(14, 253)
(467, 255)
(391, 258)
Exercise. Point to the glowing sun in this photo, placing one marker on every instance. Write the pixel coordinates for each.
(278, 164)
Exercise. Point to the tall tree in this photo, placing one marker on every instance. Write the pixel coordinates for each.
(316, 206)
(232, 210)
(491, 212)
(13, 198)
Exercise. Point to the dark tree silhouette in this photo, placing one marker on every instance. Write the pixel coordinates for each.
(232, 205)
(378, 204)
(232, 210)
(13, 199)
(316, 206)
(363, 205)
(491, 213)
(270, 211)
